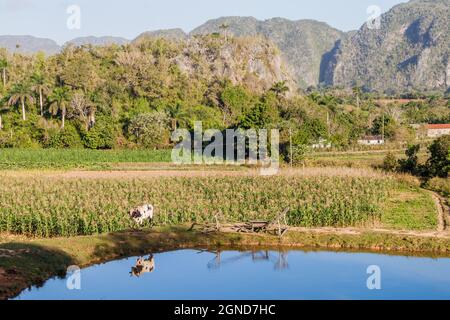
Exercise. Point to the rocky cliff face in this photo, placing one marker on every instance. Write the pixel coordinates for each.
(410, 51)
(302, 43)
(251, 61)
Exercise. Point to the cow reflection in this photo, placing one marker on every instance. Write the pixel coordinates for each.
(143, 266)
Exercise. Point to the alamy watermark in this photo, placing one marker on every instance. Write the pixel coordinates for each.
(374, 19)
(229, 147)
(73, 281)
(374, 280)
(74, 19)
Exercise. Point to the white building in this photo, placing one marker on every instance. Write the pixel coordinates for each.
(371, 140)
(321, 144)
(437, 130)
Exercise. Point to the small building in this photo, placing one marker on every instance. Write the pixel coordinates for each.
(437, 130)
(321, 144)
(371, 140)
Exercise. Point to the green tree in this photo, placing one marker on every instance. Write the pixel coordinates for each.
(438, 165)
(59, 100)
(21, 92)
(40, 87)
(411, 163)
(150, 130)
(389, 127)
(3, 67)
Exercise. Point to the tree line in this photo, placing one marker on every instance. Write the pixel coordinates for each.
(133, 96)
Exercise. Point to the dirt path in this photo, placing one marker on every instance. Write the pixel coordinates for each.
(230, 172)
(441, 211)
(357, 231)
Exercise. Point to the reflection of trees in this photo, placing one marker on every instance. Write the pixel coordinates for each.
(280, 261)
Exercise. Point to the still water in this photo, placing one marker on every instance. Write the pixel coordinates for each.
(192, 274)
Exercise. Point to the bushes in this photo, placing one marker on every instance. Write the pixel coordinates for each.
(390, 162)
(102, 135)
(440, 185)
(151, 130)
(64, 138)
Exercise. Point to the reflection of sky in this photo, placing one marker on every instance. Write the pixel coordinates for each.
(314, 275)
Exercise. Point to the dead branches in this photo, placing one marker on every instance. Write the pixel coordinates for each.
(277, 226)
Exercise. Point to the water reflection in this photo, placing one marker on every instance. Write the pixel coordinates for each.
(143, 266)
(190, 274)
(280, 259)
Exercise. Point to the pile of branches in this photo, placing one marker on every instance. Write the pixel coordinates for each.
(277, 226)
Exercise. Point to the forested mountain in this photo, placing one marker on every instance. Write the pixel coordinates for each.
(98, 41)
(410, 51)
(171, 34)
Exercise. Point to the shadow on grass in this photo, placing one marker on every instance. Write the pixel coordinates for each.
(130, 243)
(23, 265)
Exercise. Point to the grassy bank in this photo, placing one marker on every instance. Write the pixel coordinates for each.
(26, 262)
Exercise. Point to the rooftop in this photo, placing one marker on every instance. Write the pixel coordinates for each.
(438, 126)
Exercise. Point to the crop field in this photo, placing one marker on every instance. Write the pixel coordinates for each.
(44, 206)
(77, 158)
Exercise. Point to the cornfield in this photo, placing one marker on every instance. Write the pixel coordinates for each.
(49, 206)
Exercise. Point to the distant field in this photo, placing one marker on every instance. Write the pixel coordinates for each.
(77, 158)
(146, 159)
(354, 159)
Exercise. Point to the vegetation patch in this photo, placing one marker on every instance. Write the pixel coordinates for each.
(410, 208)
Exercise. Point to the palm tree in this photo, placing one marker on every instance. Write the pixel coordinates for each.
(177, 115)
(280, 88)
(3, 108)
(59, 101)
(21, 92)
(357, 91)
(224, 28)
(3, 66)
(40, 87)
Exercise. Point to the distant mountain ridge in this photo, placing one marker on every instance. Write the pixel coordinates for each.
(409, 52)
(98, 41)
(29, 44)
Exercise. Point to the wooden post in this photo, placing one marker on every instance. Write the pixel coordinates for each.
(290, 146)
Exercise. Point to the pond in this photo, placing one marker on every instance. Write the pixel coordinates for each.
(193, 274)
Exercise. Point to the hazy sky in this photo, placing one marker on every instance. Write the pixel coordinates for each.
(128, 18)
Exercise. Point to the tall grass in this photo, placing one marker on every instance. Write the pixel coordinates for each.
(47, 207)
(76, 158)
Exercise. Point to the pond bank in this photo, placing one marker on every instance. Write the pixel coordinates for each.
(25, 262)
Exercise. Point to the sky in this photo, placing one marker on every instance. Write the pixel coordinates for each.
(129, 18)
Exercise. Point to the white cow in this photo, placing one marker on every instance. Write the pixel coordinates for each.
(143, 266)
(142, 213)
